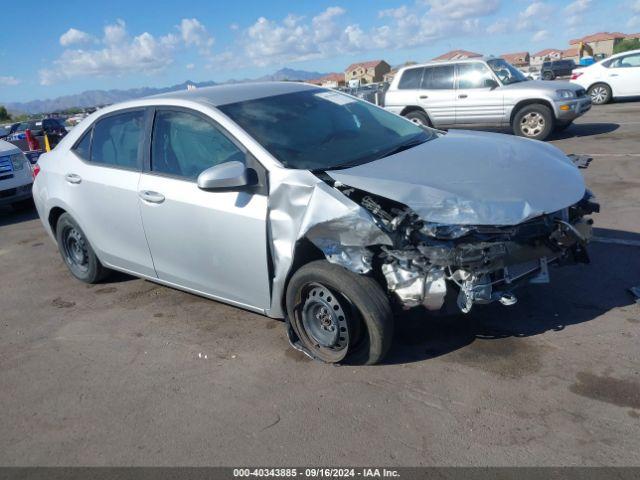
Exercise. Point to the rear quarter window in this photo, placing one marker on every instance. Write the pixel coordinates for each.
(411, 79)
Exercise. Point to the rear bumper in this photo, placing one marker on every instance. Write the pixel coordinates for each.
(15, 194)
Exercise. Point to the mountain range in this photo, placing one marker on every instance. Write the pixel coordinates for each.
(92, 98)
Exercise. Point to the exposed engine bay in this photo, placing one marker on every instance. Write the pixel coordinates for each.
(427, 263)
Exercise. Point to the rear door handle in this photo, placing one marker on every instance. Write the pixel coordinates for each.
(151, 197)
(613, 75)
(73, 178)
(463, 95)
(422, 97)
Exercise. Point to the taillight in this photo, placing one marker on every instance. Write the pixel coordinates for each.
(574, 76)
(35, 170)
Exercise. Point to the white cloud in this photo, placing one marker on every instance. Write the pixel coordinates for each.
(575, 12)
(119, 54)
(190, 66)
(295, 38)
(461, 9)
(499, 26)
(540, 36)
(534, 13)
(73, 37)
(9, 81)
(195, 34)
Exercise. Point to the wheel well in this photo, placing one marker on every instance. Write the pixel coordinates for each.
(304, 252)
(524, 103)
(600, 83)
(54, 215)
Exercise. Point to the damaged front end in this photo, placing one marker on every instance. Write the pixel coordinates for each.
(425, 264)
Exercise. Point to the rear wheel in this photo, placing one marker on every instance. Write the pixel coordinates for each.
(548, 76)
(418, 117)
(339, 315)
(77, 252)
(600, 94)
(533, 121)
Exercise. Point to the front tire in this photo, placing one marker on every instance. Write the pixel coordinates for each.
(533, 121)
(600, 93)
(339, 315)
(418, 117)
(548, 76)
(76, 251)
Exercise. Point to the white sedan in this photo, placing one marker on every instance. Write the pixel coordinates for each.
(616, 77)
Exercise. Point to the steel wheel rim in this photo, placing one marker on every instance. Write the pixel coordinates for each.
(598, 95)
(417, 121)
(532, 124)
(75, 249)
(323, 319)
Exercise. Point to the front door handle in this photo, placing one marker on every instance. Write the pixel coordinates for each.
(613, 75)
(422, 97)
(73, 178)
(463, 95)
(151, 197)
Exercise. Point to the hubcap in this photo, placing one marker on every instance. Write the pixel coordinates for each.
(532, 124)
(75, 249)
(599, 95)
(417, 121)
(324, 319)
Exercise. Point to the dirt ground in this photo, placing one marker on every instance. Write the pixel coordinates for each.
(132, 373)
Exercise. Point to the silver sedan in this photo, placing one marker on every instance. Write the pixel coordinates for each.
(309, 205)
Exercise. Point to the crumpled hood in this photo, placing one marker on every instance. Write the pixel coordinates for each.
(473, 178)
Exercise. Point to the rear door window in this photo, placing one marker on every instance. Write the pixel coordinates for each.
(117, 138)
(628, 61)
(411, 79)
(83, 147)
(438, 78)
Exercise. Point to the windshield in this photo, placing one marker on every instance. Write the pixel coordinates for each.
(506, 72)
(321, 129)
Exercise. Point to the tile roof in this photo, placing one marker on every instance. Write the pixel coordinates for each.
(598, 37)
(458, 54)
(546, 51)
(515, 57)
(369, 64)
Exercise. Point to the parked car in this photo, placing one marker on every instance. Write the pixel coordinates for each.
(51, 126)
(16, 177)
(556, 68)
(616, 77)
(477, 93)
(308, 204)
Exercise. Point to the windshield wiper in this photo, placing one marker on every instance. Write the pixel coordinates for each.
(404, 146)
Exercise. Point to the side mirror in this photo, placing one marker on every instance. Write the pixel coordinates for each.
(491, 83)
(226, 176)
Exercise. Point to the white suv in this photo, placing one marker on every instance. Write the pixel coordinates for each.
(16, 177)
(617, 76)
(479, 92)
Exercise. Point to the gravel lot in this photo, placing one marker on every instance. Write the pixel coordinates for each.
(132, 373)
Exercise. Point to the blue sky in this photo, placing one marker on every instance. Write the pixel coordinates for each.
(70, 46)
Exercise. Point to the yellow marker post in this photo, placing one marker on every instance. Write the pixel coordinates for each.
(47, 147)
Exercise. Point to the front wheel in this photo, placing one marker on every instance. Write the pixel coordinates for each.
(77, 252)
(600, 94)
(339, 315)
(533, 121)
(548, 76)
(418, 117)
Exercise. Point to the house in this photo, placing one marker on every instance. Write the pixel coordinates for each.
(388, 77)
(546, 54)
(458, 55)
(331, 80)
(518, 59)
(367, 72)
(602, 43)
(572, 53)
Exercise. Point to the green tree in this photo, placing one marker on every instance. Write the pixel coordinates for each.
(4, 115)
(626, 45)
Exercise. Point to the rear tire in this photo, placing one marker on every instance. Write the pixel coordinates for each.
(533, 121)
(76, 251)
(339, 315)
(548, 76)
(600, 93)
(419, 118)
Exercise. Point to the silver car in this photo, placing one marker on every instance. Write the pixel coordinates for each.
(477, 93)
(310, 205)
(16, 177)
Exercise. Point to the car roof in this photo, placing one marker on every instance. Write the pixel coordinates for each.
(449, 62)
(622, 53)
(8, 148)
(237, 92)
